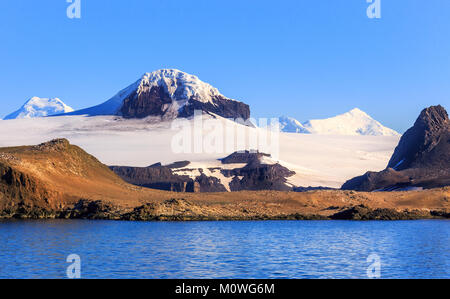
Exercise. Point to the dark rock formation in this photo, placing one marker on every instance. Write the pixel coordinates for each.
(364, 213)
(222, 106)
(421, 159)
(155, 101)
(426, 144)
(163, 178)
(209, 184)
(243, 157)
(256, 175)
(155, 177)
(307, 189)
(85, 209)
(372, 181)
(179, 164)
(149, 102)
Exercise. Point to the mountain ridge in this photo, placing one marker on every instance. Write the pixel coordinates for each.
(354, 122)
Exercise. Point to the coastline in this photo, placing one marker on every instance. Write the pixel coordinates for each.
(180, 209)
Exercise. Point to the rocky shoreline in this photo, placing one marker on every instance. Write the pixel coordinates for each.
(182, 210)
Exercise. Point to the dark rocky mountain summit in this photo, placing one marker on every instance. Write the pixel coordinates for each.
(168, 94)
(421, 159)
(426, 144)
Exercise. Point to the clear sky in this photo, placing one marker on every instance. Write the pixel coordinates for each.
(302, 58)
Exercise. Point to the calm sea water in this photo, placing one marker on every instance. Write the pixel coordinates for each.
(271, 249)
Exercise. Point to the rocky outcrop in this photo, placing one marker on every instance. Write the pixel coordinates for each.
(256, 175)
(155, 177)
(209, 184)
(221, 106)
(152, 101)
(260, 177)
(163, 178)
(157, 102)
(426, 144)
(308, 189)
(21, 193)
(244, 157)
(421, 159)
(362, 212)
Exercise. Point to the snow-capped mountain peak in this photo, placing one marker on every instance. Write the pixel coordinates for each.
(354, 122)
(358, 112)
(179, 85)
(40, 107)
(291, 125)
(168, 93)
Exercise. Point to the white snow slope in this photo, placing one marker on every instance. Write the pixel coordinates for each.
(179, 85)
(40, 107)
(318, 160)
(354, 122)
(291, 125)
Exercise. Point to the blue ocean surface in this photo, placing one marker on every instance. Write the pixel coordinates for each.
(195, 250)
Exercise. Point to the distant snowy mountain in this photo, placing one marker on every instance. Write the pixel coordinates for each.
(354, 122)
(40, 107)
(168, 93)
(291, 125)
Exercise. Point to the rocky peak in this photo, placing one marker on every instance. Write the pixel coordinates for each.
(171, 93)
(421, 159)
(432, 119)
(168, 94)
(53, 145)
(432, 128)
(178, 85)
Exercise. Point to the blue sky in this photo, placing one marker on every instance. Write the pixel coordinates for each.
(302, 58)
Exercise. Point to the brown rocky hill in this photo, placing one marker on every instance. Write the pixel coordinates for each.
(55, 175)
(60, 180)
(421, 159)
